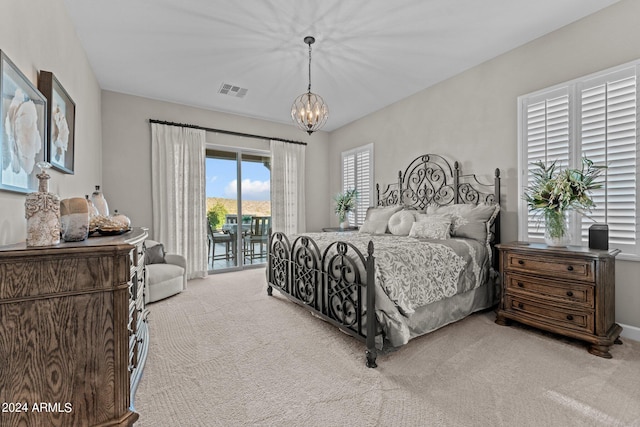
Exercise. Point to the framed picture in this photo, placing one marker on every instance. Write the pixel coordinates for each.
(23, 129)
(61, 117)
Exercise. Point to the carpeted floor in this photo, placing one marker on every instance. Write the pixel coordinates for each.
(223, 353)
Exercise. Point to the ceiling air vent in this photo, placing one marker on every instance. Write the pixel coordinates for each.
(232, 90)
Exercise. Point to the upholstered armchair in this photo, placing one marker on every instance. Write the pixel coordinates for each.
(166, 273)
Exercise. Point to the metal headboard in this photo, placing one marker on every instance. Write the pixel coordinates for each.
(430, 180)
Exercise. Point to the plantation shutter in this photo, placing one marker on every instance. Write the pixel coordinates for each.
(546, 135)
(609, 135)
(357, 172)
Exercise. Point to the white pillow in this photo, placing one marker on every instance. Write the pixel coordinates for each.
(400, 223)
(373, 227)
(379, 215)
(432, 227)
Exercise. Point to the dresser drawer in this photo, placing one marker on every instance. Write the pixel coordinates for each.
(568, 293)
(556, 316)
(567, 268)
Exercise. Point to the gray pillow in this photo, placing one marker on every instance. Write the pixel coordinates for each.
(154, 254)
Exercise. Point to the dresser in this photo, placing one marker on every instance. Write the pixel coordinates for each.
(569, 291)
(73, 331)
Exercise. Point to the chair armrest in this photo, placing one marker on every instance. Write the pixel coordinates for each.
(176, 259)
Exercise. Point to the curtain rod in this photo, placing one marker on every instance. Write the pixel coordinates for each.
(228, 132)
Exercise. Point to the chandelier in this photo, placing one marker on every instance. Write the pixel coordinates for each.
(309, 111)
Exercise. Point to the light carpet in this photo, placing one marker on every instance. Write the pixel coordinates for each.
(223, 353)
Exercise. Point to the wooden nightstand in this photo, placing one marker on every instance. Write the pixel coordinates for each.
(569, 291)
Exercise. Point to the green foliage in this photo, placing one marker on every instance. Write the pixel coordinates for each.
(345, 203)
(217, 215)
(554, 191)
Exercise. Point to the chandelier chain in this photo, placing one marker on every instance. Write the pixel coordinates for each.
(309, 88)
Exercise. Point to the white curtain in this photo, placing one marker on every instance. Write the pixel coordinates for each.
(287, 187)
(178, 193)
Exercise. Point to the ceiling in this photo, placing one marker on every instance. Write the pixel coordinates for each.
(368, 53)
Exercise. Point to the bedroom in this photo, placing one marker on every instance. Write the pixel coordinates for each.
(111, 125)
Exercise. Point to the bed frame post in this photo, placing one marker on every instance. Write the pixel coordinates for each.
(496, 192)
(269, 266)
(456, 180)
(372, 325)
(400, 187)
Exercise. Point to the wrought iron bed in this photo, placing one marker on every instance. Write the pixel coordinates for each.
(337, 283)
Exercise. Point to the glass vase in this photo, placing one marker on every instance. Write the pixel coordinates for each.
(556, 230)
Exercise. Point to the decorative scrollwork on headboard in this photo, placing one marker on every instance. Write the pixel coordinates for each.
(429, 180)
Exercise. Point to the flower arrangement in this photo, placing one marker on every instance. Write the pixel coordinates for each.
(345, 203)
(555, 191)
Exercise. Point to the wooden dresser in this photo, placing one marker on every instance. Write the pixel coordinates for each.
(72, 331)
(569, 291)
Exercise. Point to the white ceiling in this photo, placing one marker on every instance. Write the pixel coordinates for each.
(368, 53)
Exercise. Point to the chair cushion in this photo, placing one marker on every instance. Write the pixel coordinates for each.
(158, 273)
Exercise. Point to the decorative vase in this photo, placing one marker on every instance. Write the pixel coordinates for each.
(42, 210)
(556, 231)
(93, 211)
(74, 219)
(344, 221)
(100, 202)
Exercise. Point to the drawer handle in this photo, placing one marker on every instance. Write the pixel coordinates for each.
(520, 305)
(570, 268)
(521, 262)
(569, 317)
(520, 285)
(569, 293)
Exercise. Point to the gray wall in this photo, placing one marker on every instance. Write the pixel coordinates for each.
(472, 117)
(38, 35)
(126, 151)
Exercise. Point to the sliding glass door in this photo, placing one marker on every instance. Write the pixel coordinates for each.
(238, 208)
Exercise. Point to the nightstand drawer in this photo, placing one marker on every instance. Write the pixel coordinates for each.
(568, 293)
(576, 269)
(572, 319)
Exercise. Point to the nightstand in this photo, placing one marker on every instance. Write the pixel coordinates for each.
(338, 229)
(569, 291)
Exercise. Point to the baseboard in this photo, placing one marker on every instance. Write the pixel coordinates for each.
(630, 332)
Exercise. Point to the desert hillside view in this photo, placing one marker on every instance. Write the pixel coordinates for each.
(229, 206)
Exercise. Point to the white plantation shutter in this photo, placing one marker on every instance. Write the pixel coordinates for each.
(594, 117)
(547, 140)
(357, 172)
(609, 137)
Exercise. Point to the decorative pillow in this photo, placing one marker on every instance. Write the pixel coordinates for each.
(432, 227)
(154, 254)
(400, 222)
(379, 214)
(373, 226)
(470, 221)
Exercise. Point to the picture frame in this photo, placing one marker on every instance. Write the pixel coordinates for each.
(23, 129)
(61, 118)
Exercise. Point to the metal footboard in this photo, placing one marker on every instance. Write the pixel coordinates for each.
(337, 283)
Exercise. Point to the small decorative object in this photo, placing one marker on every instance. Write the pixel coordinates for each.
(93, 211)
(555, 192)
(42, 210)
(61, 114)
(345, 203)
(122, 220)
(74, 219)
(309, 111)
(22, 127)
(100, 202)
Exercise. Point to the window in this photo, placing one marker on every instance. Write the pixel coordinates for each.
(357, 172)
(595, 117)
